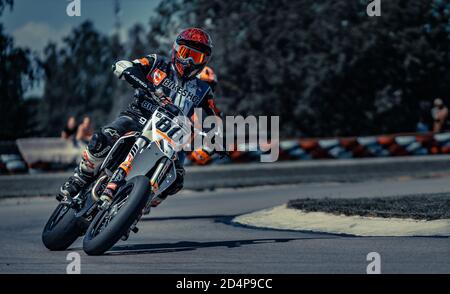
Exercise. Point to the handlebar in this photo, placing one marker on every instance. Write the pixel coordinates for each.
(148, 89)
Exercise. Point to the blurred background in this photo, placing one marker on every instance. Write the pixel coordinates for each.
(325, 67)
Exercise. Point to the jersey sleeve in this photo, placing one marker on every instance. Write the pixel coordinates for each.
(210, 107)
(145, 64)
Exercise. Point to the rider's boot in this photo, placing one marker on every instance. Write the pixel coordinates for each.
(83, 176)
(73, 186)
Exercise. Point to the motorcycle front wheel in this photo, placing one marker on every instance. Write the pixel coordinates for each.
(111, 224)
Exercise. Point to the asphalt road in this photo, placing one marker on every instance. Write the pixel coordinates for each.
(191, 233)
(256, 174)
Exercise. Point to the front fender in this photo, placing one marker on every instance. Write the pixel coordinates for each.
(145, 161)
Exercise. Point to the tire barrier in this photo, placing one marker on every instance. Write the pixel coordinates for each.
(58, 154)
(11, 161)
(351, 147)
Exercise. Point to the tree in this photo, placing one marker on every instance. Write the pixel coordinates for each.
(78, 78)
(15, 72)
(4, 4)
(325, 67)
(137, 42)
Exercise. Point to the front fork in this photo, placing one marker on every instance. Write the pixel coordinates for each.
(118, 177)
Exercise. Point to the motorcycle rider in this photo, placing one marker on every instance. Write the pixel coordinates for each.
(173, 79)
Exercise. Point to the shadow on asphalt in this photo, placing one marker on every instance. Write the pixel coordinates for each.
(189, 246)
(134, 249)
(188, 217)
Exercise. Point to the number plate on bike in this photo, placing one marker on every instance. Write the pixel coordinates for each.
(170, 130)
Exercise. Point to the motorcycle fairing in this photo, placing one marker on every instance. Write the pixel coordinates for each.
(145, 162)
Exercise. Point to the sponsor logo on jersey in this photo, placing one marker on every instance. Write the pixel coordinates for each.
(148, 105)
(181, 91)
(156, 76)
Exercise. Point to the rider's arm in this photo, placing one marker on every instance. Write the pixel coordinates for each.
(211, 109)
(135, 72)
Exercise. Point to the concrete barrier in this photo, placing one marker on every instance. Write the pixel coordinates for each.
(38, 152)
(256, 174)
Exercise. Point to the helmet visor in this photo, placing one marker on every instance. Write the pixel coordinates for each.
(185, 53)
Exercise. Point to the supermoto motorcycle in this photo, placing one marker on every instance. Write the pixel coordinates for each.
(151, 154)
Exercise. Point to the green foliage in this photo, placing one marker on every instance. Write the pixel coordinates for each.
(16, 74)
(325, 67)
(15, 69)
(4, 4)
(78, 78)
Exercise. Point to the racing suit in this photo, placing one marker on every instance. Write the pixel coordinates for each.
(156, 74)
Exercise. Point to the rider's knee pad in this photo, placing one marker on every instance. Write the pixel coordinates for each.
(89, 164)
(102, 142)
(97, 149)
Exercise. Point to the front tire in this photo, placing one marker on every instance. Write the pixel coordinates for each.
(61, 229)
(107, 228)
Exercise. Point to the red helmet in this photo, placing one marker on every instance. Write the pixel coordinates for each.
(191, 52)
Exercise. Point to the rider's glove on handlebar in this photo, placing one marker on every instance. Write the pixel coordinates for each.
(120, 66)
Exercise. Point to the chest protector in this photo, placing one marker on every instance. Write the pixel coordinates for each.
(187, 95)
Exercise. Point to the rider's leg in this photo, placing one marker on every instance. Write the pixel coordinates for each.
(96, 151)
(84, 174)
(177, 185)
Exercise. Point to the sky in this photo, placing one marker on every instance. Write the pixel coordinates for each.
(33, 23)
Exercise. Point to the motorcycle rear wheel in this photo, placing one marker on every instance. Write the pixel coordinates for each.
(61, 229)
